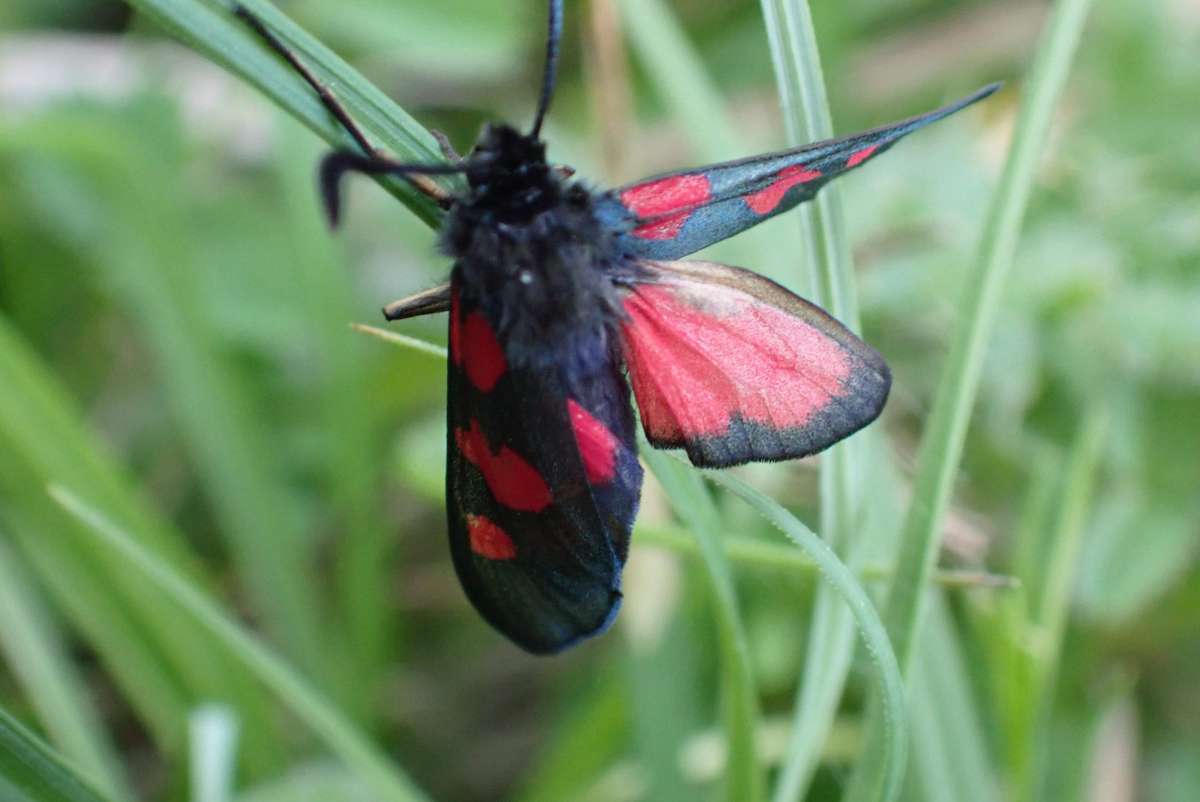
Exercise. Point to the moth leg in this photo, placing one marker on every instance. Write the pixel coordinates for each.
(423, 183)
(426, 302)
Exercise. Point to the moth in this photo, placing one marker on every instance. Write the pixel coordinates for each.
(561, 299)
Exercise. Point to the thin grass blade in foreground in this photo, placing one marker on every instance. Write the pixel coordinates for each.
(212, 747)
(38, 659)
(324, 719)
(679, 74)
(942, 445)
(402, 340)
(158, 273)
(692, 97)
(160, 663)
(694, 505)
(801, 85)
(893, 757)
(1061, 554)
(215, 32)
(32, 772)
(343, 411)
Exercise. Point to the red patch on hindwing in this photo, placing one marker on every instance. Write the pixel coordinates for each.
(670, 200)
(513, 481)
(693, 369)
(597, 445)
(858, 157)
(488, 539)
(767, 199)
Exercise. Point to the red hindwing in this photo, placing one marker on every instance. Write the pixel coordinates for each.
(735, 368)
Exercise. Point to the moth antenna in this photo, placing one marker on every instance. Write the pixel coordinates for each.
(553, 36)
(339, 162)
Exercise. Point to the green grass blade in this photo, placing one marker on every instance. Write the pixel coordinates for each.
(158, 273)
(695, 507)
(145, 253)
(323, 718)
(36, 655)
(801, 87)
(589, 738)
(160, 663)
(801, 84)
(678, 75)
(942, 444)
(31, 772)
(213, 737)
(894, 742)
(1064, 540)
(950, 749)
(342, 410)
(767, 556)
(402, 340)
(1068, 523)
(211, 28)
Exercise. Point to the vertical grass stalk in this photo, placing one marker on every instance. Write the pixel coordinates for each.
(694, 505)
(892, 756)
(805, 104)
(942, 444)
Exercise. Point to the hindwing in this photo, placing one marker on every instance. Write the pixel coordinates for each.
(735, 368)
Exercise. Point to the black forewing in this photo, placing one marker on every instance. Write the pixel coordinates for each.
(676, 214)
(560, 581)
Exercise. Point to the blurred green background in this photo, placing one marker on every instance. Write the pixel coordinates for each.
(175, 347)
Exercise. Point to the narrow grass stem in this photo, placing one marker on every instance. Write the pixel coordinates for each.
(893, 738)
(942, 444)
(215, 32)
(32, 772)
(805, 105)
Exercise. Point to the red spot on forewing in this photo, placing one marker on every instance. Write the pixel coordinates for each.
(488, 539)
(860, 156)
(765, 200)
(455, 328)
(669, 200)
(481, 355)
(693, 368)
(513, 481)
(597, 445)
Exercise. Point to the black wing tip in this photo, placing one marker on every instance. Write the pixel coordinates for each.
(548, 647)
(745, 441)
(949, 109)
(973, 98)
(886, 136)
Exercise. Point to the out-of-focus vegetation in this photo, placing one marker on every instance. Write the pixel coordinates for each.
(175, 350)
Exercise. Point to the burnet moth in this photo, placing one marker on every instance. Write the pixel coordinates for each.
(563, 297)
